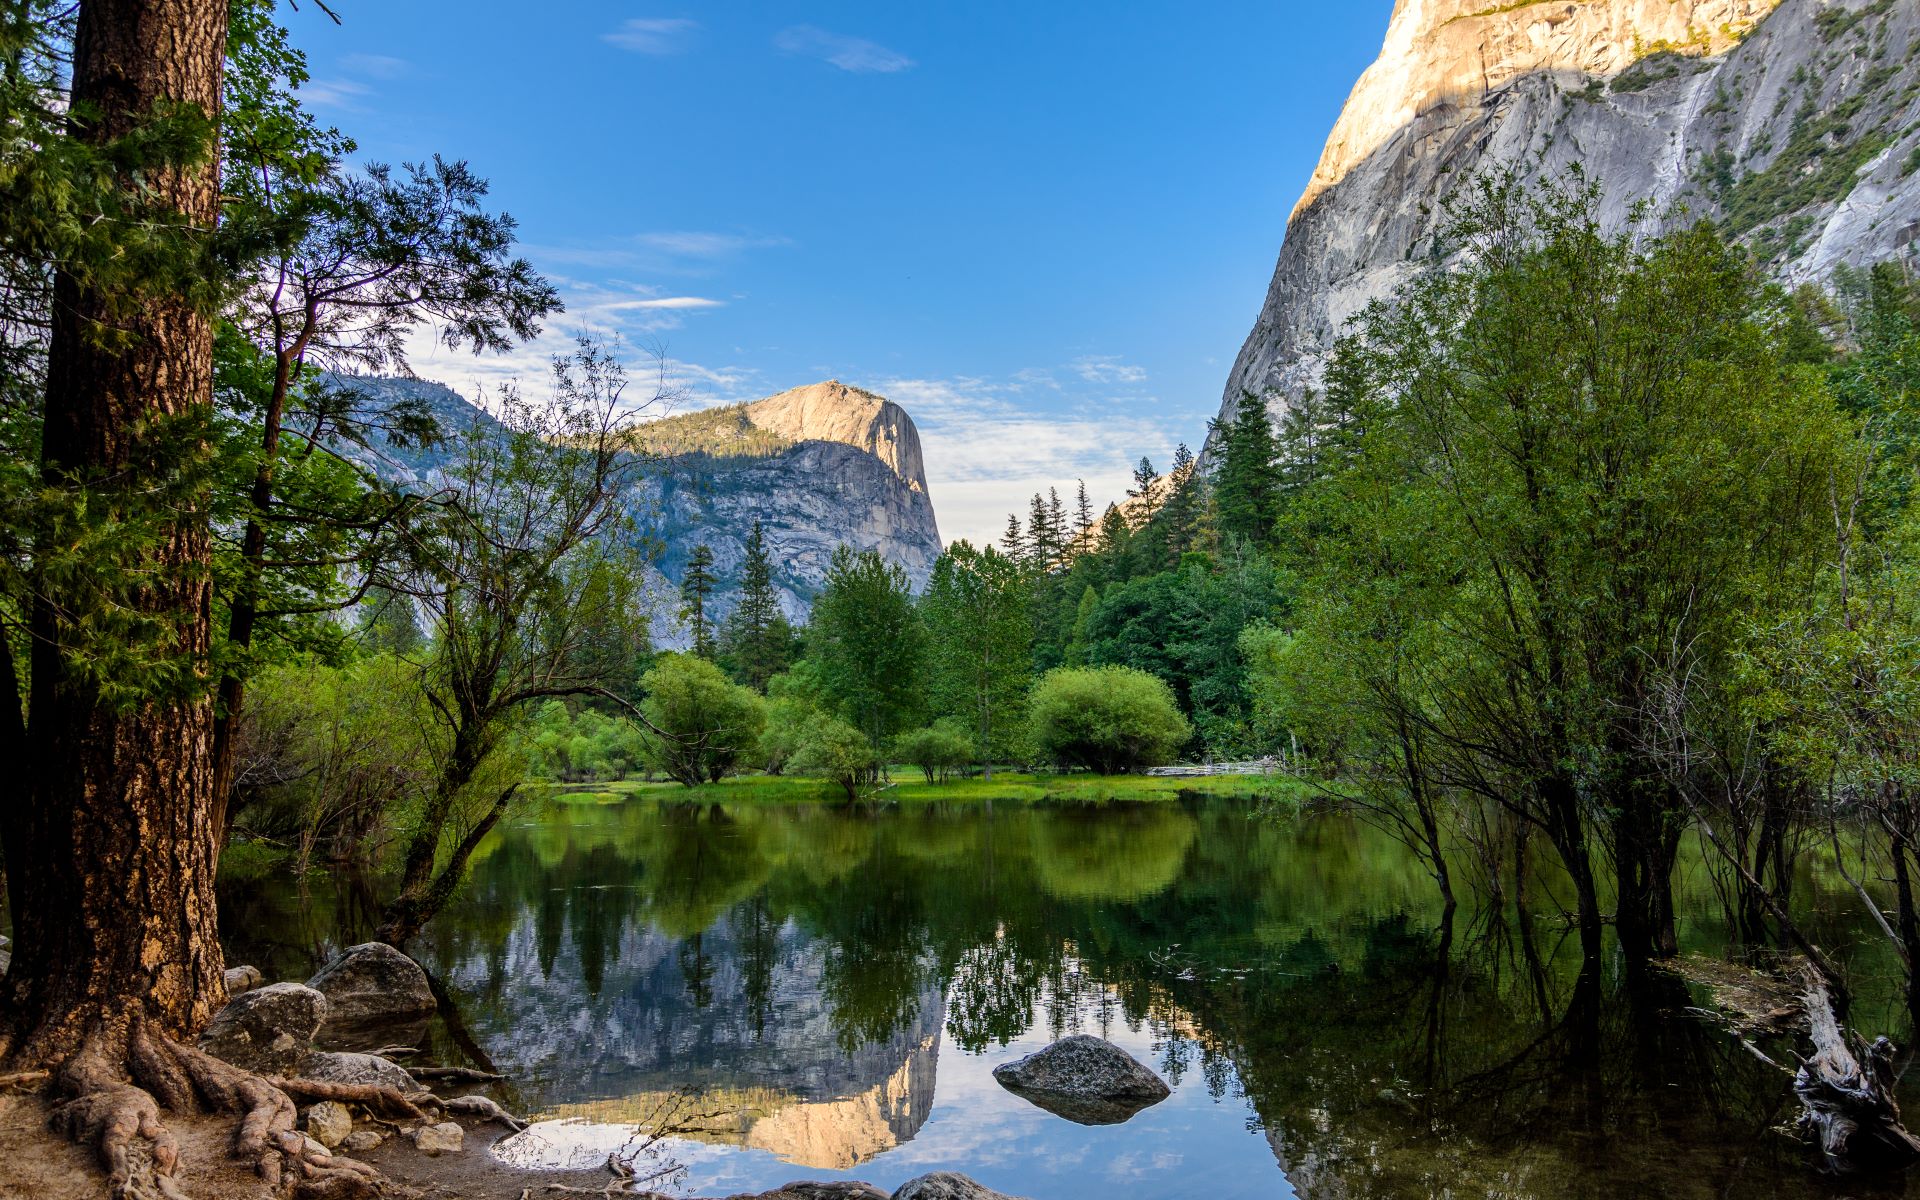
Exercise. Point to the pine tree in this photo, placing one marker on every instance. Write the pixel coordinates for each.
(1247, 484)
(1014, 542)
(1083, 512)
(1144, 479)
(757, 633)
(1080, 645)
(1178, 515)
(696, 588)
(1057, 522)
(1040, 533)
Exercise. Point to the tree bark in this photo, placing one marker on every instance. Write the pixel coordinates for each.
(110, 843)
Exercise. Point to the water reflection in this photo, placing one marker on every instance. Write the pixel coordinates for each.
(824, 989)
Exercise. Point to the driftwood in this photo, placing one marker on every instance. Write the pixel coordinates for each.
(483, 1109)
(454, 1074)
(1846, 1090)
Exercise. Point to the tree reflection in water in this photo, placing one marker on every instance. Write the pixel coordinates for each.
(804, 963)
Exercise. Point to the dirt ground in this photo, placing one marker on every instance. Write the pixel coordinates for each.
(36, 1164)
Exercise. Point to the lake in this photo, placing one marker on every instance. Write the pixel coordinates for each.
(810, 992)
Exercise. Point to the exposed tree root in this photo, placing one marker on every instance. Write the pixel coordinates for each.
(114, 1103)
(384, 1102)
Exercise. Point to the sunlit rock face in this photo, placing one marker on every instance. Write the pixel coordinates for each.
(1690, 105)
(819, 467)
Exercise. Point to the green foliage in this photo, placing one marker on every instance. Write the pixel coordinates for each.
(724, 432)
(838, 751)
(867, 643)
(786, 730)
(979, 642)
(701, 724)
(938, 750)
(1111, 720)
(696, 591)
(1247, 481)
(758, 639)
(581, 744)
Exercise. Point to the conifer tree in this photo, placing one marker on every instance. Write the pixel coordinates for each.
(1247, 483)
(696, 588)
(1083, 512)
(1014, 541)
(1041, 539)
(1178, 515)
(1057, 522)
(757, 632)
(1078, 647)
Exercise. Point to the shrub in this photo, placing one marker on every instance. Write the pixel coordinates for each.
(1107, 719)
(703, 724)
(938, 750)
(786, 732)
(838, 751)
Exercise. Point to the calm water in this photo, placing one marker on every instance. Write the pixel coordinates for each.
(812, 993)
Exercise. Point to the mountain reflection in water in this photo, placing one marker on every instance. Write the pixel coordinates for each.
(812, 990)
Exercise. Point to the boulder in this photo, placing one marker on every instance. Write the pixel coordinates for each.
(328, 1123)
(444, 1138)
(1084, 1079)
(334, 1066)
(268, 1030)
(809, 1190)
(361, 1140)
(373, 982)
(946, 1185)
(243, 979)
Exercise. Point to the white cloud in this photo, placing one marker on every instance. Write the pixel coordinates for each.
(1108, 369)
(375, 66)
(653, 35)
(665, 303)
(987, 452)
(858, 55)
(334, 93)
(695, 244)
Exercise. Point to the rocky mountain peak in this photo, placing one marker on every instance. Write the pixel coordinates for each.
(1456, 52)
(836, 412)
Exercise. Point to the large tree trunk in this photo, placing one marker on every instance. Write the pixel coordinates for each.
(109, 841)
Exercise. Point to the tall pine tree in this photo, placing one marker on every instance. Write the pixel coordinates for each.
(757, 633)
(696, 589)
(1247, 483)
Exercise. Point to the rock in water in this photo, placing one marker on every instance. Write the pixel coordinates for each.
(946, 1185)
(1084, 1079)
(809, 1190)
(328, 1123)
(444, 1138)
(331, 1066)
(269, 1029)
(373, 982)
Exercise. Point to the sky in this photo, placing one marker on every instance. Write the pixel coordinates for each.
(1044, 229)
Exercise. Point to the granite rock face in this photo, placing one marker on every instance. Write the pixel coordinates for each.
(817, 466)
(1793, 123)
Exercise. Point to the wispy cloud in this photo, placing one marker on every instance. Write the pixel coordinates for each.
(667, 252)
(858, 55)
(334, 93)
(665, 303)
(1108, 369)
(695, 244)
(988, 449)
(375, 66)
(654, 35)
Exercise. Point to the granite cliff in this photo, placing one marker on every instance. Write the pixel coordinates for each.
(817, 466)
(1795, 124)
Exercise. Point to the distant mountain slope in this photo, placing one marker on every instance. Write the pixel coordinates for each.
(818, 467)
(1795, 123)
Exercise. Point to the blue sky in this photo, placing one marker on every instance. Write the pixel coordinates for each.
(1043, 228)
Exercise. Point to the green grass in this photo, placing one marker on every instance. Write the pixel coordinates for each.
(909, 786)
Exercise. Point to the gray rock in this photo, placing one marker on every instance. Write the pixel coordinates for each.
(328, 1123)
(338, 1066)
(946, 1185)
(373, 982)
(243, 979)
(313, 1146)
(361, 1140)
(269, 1029)
(1470, 88)
(809, 1190)
(1084, 1079)
(444, 1138)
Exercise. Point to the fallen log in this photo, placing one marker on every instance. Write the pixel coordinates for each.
(1846, 1092)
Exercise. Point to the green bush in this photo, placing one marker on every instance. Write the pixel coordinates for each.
(786, 732)
(1108, 719)
(938, 750)
(703, 724)
(834, 749)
